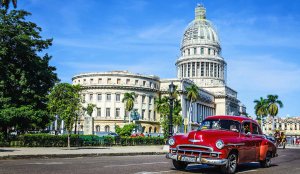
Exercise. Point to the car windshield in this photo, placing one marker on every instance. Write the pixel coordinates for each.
(220, 125)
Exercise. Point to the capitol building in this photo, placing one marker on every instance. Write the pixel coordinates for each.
(200, 63)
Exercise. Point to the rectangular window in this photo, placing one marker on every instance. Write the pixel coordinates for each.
(135, 99)
(189, 52)
(154, 116)
(83, 98)
(100, 80)
(91, 81)
(91, 97)
(107, 112)
(150, 100)
(99, 97)
(208, 51)
(118, 97)
(117, 112)
(108, 97)
(143, 99)
(189, 69)
(118, 81)
(144, 83)
(136, 82)
(202, 68)
(127, 81)
(99, 112)
(109, 81)
(195, 50)
(150, 85)
(149, 116)
(193, 69)
(202, 51)
(143, 114)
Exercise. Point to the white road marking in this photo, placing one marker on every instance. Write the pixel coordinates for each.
(248, 171)
(167, 171)
(135, 164)
(47, 163)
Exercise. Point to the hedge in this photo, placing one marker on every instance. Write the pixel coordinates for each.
(47, 140)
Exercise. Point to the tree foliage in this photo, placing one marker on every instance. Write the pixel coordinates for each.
(126, 130)
(89, 109)
(64, 101)
(6, 3)
(25, 74)
(162, 106)
(128, 100)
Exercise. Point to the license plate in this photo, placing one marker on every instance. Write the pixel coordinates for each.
(187, 158)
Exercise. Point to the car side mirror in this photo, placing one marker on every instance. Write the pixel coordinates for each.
(248, 134)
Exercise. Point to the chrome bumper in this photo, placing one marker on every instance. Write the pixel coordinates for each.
(199, 160)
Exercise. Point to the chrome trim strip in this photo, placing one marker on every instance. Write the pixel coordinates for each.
(235, 144)
(194, 141)
(201, 160)
(197, 146)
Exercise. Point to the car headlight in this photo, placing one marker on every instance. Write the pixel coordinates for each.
(219, 144)
(171, 141)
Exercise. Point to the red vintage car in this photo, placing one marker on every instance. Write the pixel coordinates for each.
(224, 141)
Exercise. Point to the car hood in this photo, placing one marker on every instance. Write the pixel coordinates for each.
(207, 137)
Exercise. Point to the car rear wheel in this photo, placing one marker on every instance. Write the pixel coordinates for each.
(231, 165)
(179, 165)
(267, 161)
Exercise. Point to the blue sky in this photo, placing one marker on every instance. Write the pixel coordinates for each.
(259, 39)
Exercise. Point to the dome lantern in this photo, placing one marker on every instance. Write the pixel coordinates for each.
(200, 12)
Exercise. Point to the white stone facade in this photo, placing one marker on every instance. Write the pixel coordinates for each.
(200, 63)
(106, 90)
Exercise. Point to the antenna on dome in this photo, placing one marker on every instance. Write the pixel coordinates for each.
(200, 12)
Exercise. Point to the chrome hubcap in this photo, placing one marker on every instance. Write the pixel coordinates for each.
(232, 162)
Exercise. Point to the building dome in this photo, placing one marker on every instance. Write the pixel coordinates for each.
(200, 32)
(201, 59)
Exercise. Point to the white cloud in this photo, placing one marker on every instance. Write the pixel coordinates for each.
(264, 73)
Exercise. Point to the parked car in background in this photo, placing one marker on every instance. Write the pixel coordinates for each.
(102, 134)
(224, 141)
(137, 134)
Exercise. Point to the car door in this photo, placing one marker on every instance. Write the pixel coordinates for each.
(247, 151)
(257, 138)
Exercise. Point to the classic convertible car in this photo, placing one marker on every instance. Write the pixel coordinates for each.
(224, 141)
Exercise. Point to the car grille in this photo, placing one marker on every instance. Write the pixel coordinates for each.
(194, 150)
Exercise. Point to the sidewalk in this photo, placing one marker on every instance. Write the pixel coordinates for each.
(54, 152)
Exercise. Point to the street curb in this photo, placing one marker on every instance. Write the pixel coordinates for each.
(46, 156)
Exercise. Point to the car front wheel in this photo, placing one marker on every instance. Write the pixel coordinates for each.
(179, 165)
(267, 161)
(231, 165)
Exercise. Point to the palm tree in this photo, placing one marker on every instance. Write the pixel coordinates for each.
(192, 95)
(273, 104)
(261, 109)
(177, 118)
(5, 3)
(129, 102)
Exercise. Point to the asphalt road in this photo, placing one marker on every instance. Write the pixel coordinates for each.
(287, 162)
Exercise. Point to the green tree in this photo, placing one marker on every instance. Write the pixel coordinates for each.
(261, 109)
(90, 108)
(126, 130)
(162, 106)
(64, 101)
(6, 3)
(192, 95)
(129, 102)
(25, 74)
(273, 108)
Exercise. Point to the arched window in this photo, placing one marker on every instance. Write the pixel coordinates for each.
(106, 128)
(143, 129)
(150, 129)
(155, 130)
(97, 128)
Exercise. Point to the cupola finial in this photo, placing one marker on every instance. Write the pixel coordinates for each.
(200, 12)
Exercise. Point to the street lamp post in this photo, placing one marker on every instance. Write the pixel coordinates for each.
(171, 98)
